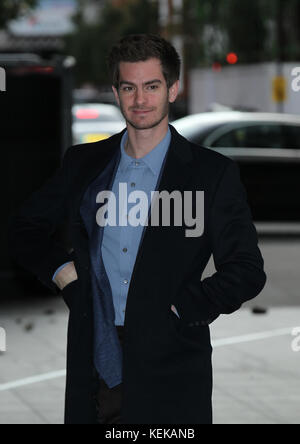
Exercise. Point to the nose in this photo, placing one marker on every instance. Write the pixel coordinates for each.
(139, 96)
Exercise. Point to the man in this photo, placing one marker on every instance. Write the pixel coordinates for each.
(139, 348)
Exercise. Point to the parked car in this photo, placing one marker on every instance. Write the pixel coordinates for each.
(267, 149)
(94, 121)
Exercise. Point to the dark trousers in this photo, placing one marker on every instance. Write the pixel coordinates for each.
(108, 401)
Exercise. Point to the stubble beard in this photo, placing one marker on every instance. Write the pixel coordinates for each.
(140, 127)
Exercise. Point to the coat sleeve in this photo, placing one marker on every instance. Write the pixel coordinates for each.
(32, 228)
(240, 272)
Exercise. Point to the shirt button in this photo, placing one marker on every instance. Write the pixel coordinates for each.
(125, 250)
(125, 281)
(137, 163)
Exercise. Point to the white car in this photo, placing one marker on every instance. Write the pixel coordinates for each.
(236, 131)
(267, 148)
(96, 121)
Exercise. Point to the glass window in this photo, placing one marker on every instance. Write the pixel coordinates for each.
(252, 136)
(292, 136)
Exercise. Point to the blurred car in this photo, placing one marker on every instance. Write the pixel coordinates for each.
(96, 121)
(92, 95)
(267, 148)
(233, 129)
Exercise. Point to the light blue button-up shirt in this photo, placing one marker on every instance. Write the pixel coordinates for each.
(120, 243)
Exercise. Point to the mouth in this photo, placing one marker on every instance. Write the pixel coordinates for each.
(141, 111)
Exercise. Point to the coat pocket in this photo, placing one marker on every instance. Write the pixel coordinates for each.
(194, 336)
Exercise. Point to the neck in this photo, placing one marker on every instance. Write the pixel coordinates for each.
(142, 142)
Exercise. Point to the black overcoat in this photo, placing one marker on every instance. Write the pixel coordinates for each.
(167, 370)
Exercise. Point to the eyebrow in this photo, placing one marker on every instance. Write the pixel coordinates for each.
(124, 82)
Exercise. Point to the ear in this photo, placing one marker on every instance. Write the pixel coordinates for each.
(116, 94)
(173, 91)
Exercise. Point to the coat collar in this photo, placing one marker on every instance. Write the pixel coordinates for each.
(175, 176)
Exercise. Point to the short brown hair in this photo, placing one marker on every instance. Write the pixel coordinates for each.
(140, 48)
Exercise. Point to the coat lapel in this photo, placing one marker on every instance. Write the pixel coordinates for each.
(100, 179)
(95, 166)
(176, 175)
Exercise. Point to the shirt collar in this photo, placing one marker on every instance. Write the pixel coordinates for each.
(153, 160)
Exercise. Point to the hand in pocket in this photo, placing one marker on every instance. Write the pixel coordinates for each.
(66, 276)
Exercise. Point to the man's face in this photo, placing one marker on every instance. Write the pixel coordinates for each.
(143, 94)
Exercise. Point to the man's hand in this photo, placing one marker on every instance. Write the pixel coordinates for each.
(67, 275)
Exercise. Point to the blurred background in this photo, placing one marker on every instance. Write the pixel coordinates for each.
(240, 96)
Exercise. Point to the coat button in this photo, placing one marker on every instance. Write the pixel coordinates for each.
(191, 324)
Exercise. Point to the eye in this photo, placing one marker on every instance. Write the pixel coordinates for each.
(152, 87)
(127, 88)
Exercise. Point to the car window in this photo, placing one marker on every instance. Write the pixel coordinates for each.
(292, 136)
(252, 136)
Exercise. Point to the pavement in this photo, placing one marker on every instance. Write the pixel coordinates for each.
(256, 365)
